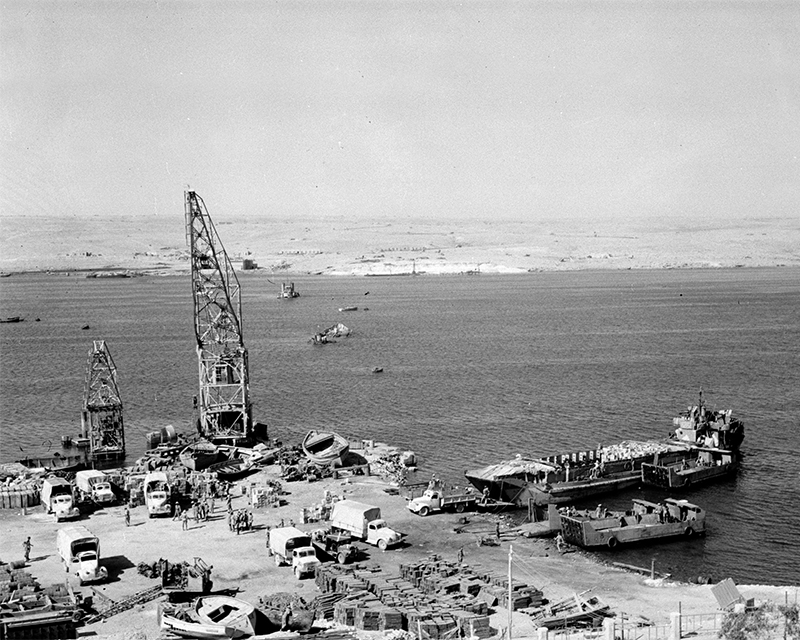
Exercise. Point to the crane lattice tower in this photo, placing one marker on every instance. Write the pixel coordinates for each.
(101, 418)
(225, 412)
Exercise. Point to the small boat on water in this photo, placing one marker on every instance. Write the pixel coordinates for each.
(707, 466)
(348, 308)
(200, 455)
(11, 319)
(325, 447)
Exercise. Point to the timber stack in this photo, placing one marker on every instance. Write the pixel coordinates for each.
(443, 599)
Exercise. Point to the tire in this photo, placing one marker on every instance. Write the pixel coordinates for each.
(688, 532)
(278, 562)
(612, 542)
(424, 511)
(297, 573)
(460, 508)
(382, 545)
(341, 558)
(628, 466)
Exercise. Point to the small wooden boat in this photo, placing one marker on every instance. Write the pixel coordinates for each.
(348, 308)
(571, 612)
(231, 470)
(200, 455)
(325, 447)
(183, 620)
(11, 319)
(228, 612)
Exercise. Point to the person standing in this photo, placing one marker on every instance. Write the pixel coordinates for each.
(26, 547)
(127, 517)
(177, 514)
(461, 555)
(185, 520)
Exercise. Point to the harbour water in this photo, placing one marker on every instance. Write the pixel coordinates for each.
(475, 370)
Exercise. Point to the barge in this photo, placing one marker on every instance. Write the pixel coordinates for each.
(645, 522)
(709, 465)
(700, 435)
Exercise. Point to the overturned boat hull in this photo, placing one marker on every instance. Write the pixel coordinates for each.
(324, 448)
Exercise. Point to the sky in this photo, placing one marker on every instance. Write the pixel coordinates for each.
(402, 109)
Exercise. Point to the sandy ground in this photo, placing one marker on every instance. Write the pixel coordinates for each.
(338, 246)
(241, 562)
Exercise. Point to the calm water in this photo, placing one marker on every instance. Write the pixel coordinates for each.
(476, 369)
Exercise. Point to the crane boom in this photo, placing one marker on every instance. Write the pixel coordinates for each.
(225, 412)
(101, 418)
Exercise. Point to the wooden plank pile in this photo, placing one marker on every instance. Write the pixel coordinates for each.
(433, 598)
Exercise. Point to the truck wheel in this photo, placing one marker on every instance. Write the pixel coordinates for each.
(382, 544)
(277, 560)
(688, 532)
(459, 508)
(424, 511)
(297, 573)
(612, 543)
(341, 558)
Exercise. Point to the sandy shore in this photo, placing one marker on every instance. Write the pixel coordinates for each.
(336, 246)
(241, 562)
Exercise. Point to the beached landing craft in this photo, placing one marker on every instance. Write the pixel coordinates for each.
(647, 521)
(578, 475)
(200, 455)
(210, 617)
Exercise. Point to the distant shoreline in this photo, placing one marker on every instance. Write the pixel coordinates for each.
(355, 248)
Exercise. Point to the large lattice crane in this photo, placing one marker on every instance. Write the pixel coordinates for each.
(225, 412)
(101, 418)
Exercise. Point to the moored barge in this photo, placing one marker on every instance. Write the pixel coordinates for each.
(704, 441)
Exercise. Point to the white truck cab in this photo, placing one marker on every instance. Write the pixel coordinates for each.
(57, 498)
(95, 485)
(79, 549)
(289, 545)
(364, 521)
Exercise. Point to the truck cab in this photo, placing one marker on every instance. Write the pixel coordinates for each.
(304, 562)
(289, 545)
(95, 485)
(79, 549)
(380, 535)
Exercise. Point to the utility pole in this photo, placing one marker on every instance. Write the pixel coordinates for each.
(510, 601)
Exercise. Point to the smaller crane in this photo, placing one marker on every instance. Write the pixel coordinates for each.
(101, 419)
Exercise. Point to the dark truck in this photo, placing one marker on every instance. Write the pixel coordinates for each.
(334, 546)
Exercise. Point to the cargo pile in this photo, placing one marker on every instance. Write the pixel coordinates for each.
(630, 449)
(27, 608)
(438, 597)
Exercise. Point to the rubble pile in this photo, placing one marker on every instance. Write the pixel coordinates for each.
(393, 466)
(435, 596)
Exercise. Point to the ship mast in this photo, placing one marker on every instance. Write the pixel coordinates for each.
(101, 418)
(225, 412)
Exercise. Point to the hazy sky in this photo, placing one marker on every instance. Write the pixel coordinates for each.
(519, 110)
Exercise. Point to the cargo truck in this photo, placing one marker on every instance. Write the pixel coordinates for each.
(79, 549)
(94, 485)
(57, 499)
(433, 500)
(364, 522)
(289, 545)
